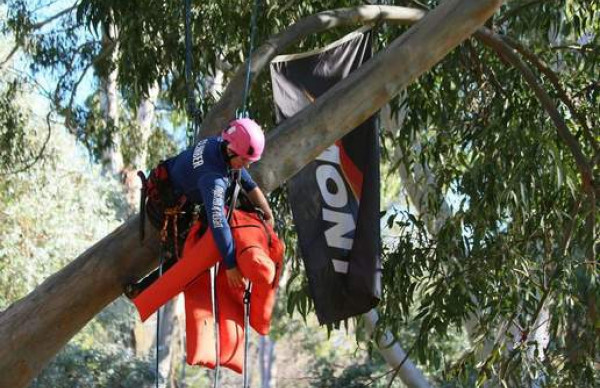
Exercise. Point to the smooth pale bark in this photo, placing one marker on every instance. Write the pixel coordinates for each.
(166, 343)
(266, 362)
(394, 355)
(144, 118)
(35, 328)
(112, 158)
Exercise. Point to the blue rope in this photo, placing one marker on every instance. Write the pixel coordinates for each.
(244, 110)
(191, 106)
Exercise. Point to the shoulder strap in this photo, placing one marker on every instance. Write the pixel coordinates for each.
(236, 191)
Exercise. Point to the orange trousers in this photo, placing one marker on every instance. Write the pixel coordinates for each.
(259, 255)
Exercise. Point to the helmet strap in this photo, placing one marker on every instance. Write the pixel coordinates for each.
(227, 153)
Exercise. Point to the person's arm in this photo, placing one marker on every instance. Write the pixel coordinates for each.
(213, 194)
(257, 197)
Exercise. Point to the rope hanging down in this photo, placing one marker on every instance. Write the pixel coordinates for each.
(243, 112)
(192, 112)
(191, 138)
(191, 134)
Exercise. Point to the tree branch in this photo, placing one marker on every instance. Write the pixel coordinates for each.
(9, 56)
(512, 12)
(65, 11)
(40, 153)
(223, 111)
(562, 94)
(497, 43)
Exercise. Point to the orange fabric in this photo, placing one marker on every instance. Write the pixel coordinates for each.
(200, 339)
(197, 257)
(259, 255)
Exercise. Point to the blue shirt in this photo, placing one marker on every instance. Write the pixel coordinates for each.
(202, 174)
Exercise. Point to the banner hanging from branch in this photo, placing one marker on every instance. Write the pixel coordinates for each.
(335, 198)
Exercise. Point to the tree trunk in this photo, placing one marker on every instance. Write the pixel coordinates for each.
(34, 328)
(144, 120)
(166, 342)
(112, 158)
(394, 355)
(266, 361)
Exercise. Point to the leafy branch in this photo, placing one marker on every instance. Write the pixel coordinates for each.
(507, 52)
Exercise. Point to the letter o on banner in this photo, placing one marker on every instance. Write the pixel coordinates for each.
(334, 199)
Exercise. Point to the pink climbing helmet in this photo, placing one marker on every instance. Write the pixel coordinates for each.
(245, 138)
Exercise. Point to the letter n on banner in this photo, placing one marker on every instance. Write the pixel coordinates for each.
(335, 198)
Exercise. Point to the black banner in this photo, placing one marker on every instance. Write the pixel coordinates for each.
(334, 199)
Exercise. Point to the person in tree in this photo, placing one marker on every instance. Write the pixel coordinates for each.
(203, 175)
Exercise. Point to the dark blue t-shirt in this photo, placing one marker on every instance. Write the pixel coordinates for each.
(202, 174)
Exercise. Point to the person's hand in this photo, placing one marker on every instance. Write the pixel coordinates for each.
(269, 217)
(235, 278)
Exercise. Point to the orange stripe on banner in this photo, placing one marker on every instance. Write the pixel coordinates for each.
(352, 173)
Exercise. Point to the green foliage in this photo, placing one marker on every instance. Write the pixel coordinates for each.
(15, 154)
(519, 232)
(46, 216)
(355, 376)
(110, 366)
(149, 49)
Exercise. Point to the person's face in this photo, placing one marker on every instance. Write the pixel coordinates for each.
(238, 162)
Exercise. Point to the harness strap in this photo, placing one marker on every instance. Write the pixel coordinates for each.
(236, 192)
(171, 215)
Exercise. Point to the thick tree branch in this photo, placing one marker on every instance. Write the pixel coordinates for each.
(66, 301)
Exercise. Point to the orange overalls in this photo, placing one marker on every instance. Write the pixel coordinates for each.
(259, 255)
